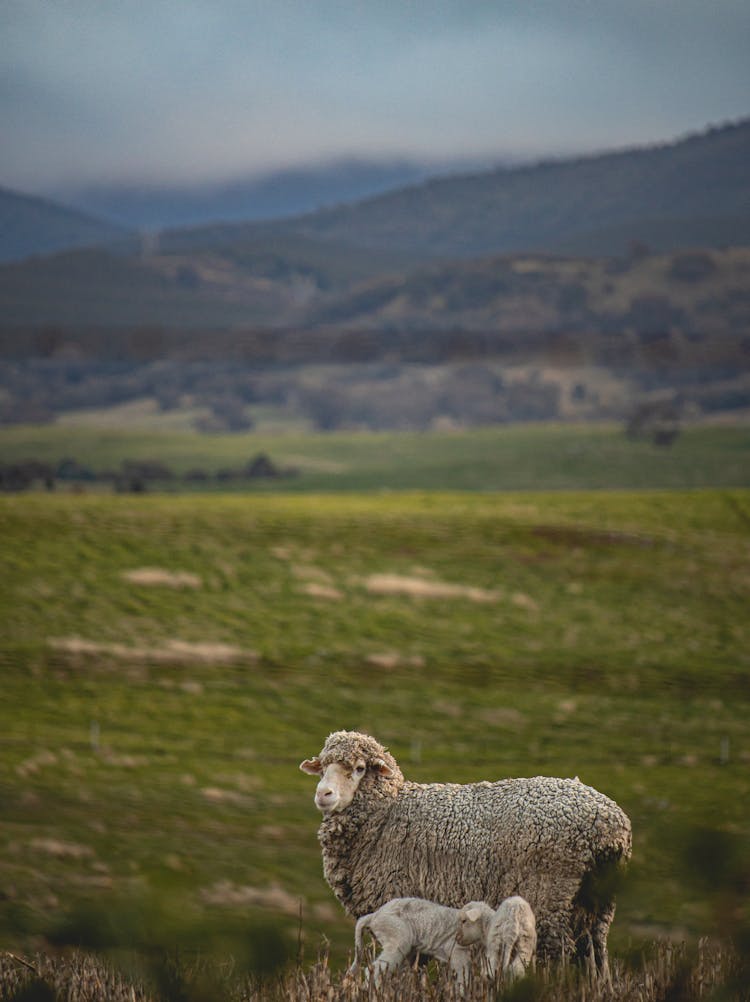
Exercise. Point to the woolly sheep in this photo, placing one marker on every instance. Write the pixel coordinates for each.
(508, 935)
(554, 841)
(405, 927)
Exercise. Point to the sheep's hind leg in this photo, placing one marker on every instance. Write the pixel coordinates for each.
(585, 955)
(599, 933)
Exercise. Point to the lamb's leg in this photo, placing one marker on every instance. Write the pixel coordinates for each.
(362, 925)
(395, 939)
(390, 959)
(460, 964)
(513, 968)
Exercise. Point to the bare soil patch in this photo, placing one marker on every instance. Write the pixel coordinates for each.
(217, 795)
(573, 536)
(419, 587)
(316, 582)
(170, 651)
(389, 660)
(160, 576)
(61, 850)
(317, 589)
(229, 894)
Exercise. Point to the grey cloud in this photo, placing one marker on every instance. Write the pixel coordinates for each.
(170, 88)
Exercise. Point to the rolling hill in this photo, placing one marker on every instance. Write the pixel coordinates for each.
(426, 256)
(286, 192)
(35, 226)
(698, 292)
(695, 191)
(271, 279)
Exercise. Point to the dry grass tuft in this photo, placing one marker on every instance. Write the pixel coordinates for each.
(664, 971)
(78, 978)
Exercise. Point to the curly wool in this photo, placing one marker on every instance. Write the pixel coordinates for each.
(544, 838)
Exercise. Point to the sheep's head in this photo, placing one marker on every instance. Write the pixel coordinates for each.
(473, 920)
(351, 761)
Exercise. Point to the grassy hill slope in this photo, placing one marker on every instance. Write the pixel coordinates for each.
(33, 226)
(186, 282)
(286, 282)
(167, 663)
(97, 288)
(664, 195)
(699, 292)
(520, 457)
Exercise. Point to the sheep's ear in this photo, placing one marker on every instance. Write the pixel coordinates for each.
(472, 914)
(381, 767)
(311, 766)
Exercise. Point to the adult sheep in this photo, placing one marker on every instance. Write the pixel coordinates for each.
(553, 841)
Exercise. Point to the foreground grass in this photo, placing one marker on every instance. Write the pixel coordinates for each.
(663, 971)
(151, 724)
(515, 457)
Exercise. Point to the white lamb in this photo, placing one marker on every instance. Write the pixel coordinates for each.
(405, 927)
(508, 934)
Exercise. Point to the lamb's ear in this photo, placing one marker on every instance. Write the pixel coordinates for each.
(472, 914)
(311, 766)
(381, 767)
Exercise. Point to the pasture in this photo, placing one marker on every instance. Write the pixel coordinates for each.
(498, 458)
(168, 660)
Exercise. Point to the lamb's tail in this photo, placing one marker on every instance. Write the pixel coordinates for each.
(363, 924)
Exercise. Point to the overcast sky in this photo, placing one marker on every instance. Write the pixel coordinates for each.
(204, 90)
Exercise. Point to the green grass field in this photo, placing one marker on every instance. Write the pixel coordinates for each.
(514, 457)
(167, 661)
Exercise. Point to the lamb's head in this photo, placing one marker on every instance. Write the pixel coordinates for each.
(473, 922)
(349, 763)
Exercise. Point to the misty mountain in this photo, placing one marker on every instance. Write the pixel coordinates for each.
(273, 195)
(695, 191)
(394, 261)
(35, 226)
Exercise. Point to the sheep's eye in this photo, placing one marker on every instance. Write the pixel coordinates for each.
(359, 770)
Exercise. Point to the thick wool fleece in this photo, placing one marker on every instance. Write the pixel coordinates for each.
(546, 839)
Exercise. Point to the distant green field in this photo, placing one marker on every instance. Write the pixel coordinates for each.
(168, 661)
(515, 457)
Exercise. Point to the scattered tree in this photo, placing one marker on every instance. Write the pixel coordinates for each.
(657, 421)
